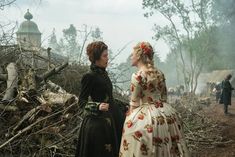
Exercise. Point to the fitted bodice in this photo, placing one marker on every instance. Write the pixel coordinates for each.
(148, 88)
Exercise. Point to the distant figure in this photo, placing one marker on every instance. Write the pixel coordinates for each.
(176, 91)
(217, 91)
(171, 91)
(226, 93)
(179, 90)
(211, 88)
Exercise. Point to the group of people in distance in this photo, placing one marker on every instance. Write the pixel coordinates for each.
(150, 127)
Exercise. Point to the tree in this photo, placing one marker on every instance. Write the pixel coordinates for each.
(84, 33)
(97, 34)
(223, 11)
(202, 51)
(224, 16)
(52, 42)
(7, 29)
(70, 42)
(74, 40)
(172, 74)
(195, 19)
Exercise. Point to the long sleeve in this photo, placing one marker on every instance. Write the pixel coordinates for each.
(161, 86)
(86, 88)
(227, 86)
(136, 90)
(87, 107)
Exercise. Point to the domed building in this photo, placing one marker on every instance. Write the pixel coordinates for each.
(28, 48)
(28, 34)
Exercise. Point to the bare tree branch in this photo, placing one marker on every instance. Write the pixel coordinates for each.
(119, 52)
(6, 3)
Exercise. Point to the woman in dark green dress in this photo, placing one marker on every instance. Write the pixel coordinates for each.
(101, 129)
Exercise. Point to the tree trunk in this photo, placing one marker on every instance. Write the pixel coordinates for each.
(12, 82)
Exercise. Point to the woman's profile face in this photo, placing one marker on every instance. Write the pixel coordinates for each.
(134, 58)
(103, 61)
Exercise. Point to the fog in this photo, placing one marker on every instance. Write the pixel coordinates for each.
(122, 24)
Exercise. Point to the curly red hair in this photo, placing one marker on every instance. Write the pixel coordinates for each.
(95, 49)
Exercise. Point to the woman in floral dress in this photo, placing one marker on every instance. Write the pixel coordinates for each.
(152, 127)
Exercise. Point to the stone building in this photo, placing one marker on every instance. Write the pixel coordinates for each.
(28, 34)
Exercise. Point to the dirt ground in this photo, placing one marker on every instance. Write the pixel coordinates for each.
(227, 123)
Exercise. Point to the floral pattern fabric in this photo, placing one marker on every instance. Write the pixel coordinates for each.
(152, 129)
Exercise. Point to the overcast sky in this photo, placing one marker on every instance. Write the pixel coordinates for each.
(121, 21)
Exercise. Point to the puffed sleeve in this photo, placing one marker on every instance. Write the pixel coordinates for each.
(136, 90)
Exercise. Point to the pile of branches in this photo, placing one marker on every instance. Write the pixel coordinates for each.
(37, 116)
(70, 78)
(201, 132)
(44, 125)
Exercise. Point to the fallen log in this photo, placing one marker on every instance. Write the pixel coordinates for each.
(55, 88)
(51, 72)
(57, 98)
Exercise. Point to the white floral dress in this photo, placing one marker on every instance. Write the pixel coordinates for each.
(152, 129)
